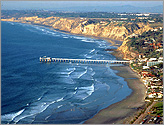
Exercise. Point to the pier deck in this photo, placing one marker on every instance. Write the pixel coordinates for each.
(60, 60)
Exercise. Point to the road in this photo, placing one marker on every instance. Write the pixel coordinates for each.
(142, 116)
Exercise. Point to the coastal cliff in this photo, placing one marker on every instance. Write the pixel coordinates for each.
(91, 27)
(127, 54)
(85, 26)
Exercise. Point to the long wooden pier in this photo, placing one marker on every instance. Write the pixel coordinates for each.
(60, 60)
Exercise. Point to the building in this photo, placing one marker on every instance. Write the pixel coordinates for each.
(153, 59)
(46, 59)
(152, 63)
(160, 59)
(146, 67)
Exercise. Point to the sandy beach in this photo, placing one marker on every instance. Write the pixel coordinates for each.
(122, 112)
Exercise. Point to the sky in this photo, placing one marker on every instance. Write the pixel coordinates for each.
(64, 5)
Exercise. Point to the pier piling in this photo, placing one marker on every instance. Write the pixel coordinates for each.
(89, 61)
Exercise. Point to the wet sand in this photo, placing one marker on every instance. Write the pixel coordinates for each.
(122, 112)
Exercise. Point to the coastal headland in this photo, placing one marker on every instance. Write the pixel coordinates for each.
(120, 112)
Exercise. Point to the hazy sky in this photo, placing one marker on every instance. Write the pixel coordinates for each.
(56, 5)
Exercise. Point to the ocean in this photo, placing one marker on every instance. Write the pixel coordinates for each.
(33, 92)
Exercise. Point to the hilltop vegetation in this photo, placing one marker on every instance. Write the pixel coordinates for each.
(148, 43)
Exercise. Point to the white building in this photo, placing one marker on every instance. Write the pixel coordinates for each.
(152, 63)
(160, 59)
(146, 67)
(153, 59)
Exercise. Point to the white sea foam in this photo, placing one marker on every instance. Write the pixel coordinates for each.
(88, 56)
(76, 37)
(40, 98)
(107, 86)
(68, 80)
(10, 117)
(71, 70)
(49, 32)
(11, 23)
(50, 115)
(89, 90)
(63, 73)
(74, 92)
(78, 74)
(92, 50)
(34, 109)
(59, 106)
(59, 100)
(90, 69)
(82, 74)
(102, 46)
(92, 74)
(45, 31)
(87, 41)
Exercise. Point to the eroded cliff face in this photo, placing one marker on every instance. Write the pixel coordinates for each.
(85, 26)
(88, 27)
(127, 54)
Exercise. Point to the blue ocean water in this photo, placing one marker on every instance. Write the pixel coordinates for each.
(54, 93)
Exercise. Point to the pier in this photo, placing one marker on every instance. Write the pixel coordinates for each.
(88, 61)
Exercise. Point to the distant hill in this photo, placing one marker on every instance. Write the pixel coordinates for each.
(119, 9)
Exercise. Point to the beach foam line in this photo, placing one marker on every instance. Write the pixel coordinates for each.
(12, 23)
(33, 110)
(76, 37)
(78, 74)
(87, 41)
(89, 90)
(83, 92)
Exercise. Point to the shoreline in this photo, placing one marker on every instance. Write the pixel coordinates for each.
(125, 109)
(128, 106)
(115, 43)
